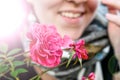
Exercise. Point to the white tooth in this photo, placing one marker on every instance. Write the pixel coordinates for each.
(77, 15)
(71, 15)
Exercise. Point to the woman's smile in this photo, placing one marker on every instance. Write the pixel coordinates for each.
(71, 16)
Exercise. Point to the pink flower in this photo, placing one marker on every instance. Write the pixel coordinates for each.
(79, 49)
(91, 76)
(66, 42)
(45, 45)
(83, 78)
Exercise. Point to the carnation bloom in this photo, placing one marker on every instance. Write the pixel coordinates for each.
(45, 45)
(80, 50)
(91, 76)
(83, 78)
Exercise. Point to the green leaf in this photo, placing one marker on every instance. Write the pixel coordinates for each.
(18, 63)
(38, 78)
(17, 72)
(13, 52)
(11, 58)
(21, 70)
(14, 74)
(3, 68)
(3, 48)
(112, 65)
(70, 58)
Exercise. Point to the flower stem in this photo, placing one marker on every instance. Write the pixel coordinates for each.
(37, 76)
(17, 78)
(54, 67)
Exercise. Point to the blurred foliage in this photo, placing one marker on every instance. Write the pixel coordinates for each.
(112, 65)
(9, 64)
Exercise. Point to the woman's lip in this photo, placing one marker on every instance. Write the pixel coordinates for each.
(76, 10)
(72, 18)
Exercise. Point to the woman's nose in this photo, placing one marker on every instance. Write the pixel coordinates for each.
(76, 1)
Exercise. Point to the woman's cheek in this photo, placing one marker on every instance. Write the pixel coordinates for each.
(49, 3)
(92, 4)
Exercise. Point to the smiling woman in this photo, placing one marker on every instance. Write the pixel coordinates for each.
(78, 19)
(11, 17)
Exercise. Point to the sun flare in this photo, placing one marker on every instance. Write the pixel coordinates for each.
(11, 16)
